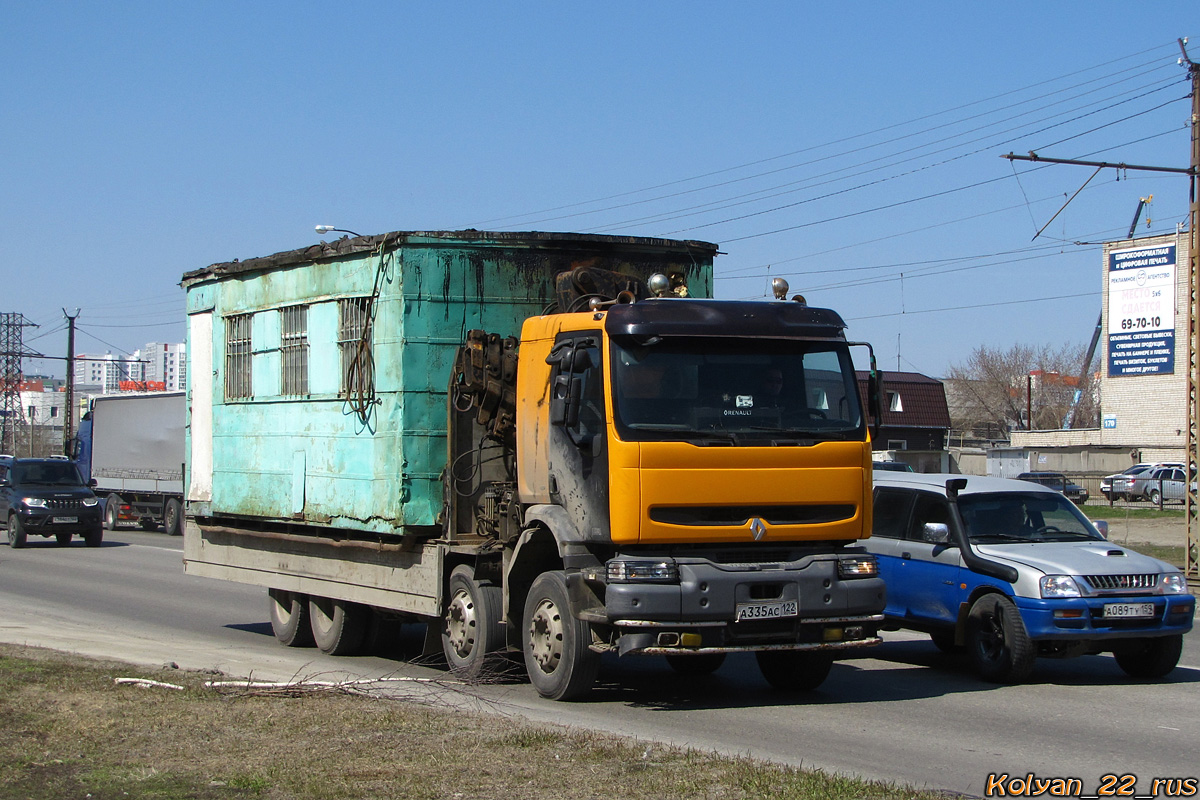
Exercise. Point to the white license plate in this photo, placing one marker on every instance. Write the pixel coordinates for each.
(64, 519)
(1129, 610)
(754, 611)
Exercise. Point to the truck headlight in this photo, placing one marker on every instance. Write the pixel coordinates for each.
(34, 502)
(642, 571)
(858, 567)
(1174, 583)
(90, 501)
(1059, 586)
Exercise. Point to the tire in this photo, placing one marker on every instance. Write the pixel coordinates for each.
(944, 641)
(339, 628)
(289, 618)
(1155, 496)
(472, 628)
(110, 512)
(700, 664)
(173, 517)
(1150, 658)
(16, 532)
(794, 670)
(558, 660)
(94, 537)
(997, 640)
(63, 538)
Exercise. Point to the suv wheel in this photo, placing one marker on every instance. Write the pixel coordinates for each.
(998, 642)
(16, 532)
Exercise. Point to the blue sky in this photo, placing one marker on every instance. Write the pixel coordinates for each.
(840, 145)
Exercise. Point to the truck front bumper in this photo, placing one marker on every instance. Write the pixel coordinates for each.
(722, 607)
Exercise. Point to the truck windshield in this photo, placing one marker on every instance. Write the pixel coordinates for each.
(736, 391)
(47, 473)
(1000, 517)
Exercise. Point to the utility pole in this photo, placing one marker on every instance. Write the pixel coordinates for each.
(12, 352)
(69, 412)
(1192, 500)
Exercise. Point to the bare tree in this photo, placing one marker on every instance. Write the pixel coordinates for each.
(994, 391)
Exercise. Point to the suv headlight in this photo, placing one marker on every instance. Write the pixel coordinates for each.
(858, 567)
(1174, 583)
(642, 571)
(1059, 586)
(90, 501)
(34, 502)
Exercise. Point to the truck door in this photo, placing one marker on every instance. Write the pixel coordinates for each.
(578, 450)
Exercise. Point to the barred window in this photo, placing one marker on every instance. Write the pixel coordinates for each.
(238, 355)
(354, 342)
(293, 351)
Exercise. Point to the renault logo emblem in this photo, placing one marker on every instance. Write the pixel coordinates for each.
(758, 528)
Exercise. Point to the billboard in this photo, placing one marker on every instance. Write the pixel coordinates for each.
(1141, 311)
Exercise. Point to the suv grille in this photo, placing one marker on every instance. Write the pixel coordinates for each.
(1111, 582)
(64, 505)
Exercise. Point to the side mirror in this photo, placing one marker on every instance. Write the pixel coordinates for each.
(936, 533)
(1102, 526)
(92, 483)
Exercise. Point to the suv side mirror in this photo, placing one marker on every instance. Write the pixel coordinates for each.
(1102, 526)
(91, 483)
(936, 533)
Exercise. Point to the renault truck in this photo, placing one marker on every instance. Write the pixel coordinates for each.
(554, 445)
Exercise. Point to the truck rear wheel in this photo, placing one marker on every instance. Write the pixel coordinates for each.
(338, 627)
(173, 517)
(1150, 658)
(111, 507)
(289, 618)
(471, 627)
(558, 660)
(16, 532)
(794, 670)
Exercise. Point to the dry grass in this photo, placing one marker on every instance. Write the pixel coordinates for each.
(71, 731)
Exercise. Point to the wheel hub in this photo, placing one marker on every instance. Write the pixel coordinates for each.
(546, 636)
(461, 623)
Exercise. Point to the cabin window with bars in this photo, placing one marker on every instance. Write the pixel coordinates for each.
(293, 351)
(354, 344)
(238, 357)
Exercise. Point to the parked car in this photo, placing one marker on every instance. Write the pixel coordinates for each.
(1116, 486)
(892, 466)
(1056, 480)
(1156, 485)
(47, 497)
(1011, 570)
(1123, 483)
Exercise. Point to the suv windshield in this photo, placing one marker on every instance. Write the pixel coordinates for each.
(720, 390)
(1023, 517)
(46, 473)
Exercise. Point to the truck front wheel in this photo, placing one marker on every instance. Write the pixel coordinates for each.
(1150, 658)
(998, 642)
(794, 670)
(338, 627)
(471, 628)
(560, 664)
(289, 618)
(111, 508)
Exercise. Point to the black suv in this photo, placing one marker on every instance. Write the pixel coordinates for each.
(47, 497)
(1056, 480)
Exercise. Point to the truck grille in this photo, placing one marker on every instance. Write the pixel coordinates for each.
(64, 505)
(740, 515)
(1103, 583)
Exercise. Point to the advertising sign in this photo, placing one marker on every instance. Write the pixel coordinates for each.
(1141, 311)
